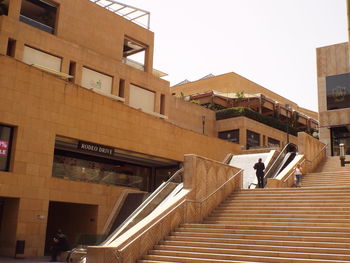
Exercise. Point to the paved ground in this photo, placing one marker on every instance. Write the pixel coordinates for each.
(26, 260)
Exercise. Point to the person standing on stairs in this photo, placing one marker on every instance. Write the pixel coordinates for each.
(260, 167)
(298, 171)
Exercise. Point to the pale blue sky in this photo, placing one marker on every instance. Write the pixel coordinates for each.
(270, 42)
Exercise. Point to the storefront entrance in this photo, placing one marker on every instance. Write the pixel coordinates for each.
(8, 225)
(77, 221)
(340, 135)
(89, 162)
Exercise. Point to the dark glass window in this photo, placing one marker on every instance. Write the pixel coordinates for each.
(253, 139)
(338, 91)
(40, 14)
(231, 136)
(86, 168)
(273, 142)
(340, 135)
(6, 134)
(4, 7)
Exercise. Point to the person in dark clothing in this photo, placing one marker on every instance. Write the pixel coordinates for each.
(60, 244)
(260, 167)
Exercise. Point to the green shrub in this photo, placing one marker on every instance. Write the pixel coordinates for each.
(246, 112)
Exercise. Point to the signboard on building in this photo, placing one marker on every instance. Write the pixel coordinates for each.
(338, 91)
(96, 148)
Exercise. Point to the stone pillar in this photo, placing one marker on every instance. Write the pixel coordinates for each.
(14, 8)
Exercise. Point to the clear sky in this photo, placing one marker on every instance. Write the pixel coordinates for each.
(270, 42)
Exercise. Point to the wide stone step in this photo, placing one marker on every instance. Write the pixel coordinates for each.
(288, 214)
(264, 247)
(164, 259)
(283, 236)
(254, 241)
(269, 229)
(288, 197)
(287, 209)
(259, 256)
(308, 203)
(279, 219)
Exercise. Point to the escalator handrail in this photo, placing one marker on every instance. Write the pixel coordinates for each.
(144, 203)
(277, 160)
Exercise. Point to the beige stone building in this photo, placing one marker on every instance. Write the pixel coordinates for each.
(82, 124)
(232, 90)
(333, 78)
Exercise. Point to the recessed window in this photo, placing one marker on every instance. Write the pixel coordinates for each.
(6, 134)
(273, 142)
(72, 70)
(40, 14)
(162, 104)
(141, 98)
(134, 54)
(121, 88)
(231, 136)
(92, 79)
(253, 139)
(34, 56)
(4, 7)
(11, 47)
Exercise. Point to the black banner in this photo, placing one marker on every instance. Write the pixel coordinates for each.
(338, 91)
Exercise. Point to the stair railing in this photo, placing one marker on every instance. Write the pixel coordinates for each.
(217, 189)
(304, 161)
(312, 162)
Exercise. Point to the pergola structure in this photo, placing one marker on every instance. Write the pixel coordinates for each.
(134, 14)
(257, 102)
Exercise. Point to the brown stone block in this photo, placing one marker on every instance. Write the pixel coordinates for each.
(32, 169)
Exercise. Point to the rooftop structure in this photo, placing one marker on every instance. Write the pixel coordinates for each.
(129, 12)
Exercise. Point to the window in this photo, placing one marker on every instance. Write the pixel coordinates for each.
(338, 91)
(273, 142)
(134, 54)
(253, 139)
(231, 136)
(92, 79)
(6, 134)
(162, 104)
(11, 47)
(4, 7)
(33, 56)
(72, 70)
(40, 14)
(121, 88)
(141, 98)
(340, 135)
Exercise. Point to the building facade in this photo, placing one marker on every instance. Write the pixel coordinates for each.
(80, 123)
(262, 117)
(333, 78)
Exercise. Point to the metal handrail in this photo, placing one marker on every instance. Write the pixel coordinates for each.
(323, 148)
(204, 199)
(306, 160)
(146, 202)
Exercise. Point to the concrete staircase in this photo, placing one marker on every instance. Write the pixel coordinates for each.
(329, 174)
(266, 225)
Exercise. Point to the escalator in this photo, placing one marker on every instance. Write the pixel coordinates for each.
(285, 157)
(165, 192)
